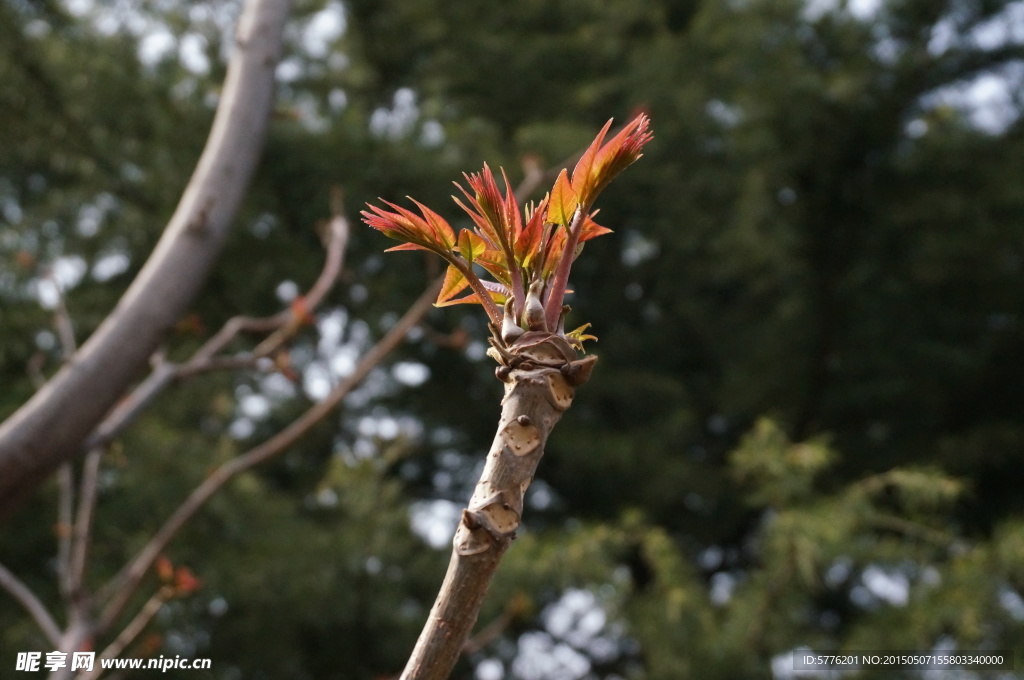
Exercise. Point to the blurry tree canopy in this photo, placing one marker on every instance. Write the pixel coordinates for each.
(807, 423)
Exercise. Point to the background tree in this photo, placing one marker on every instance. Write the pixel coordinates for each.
(824, 233)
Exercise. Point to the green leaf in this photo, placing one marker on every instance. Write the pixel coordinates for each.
(471, 246)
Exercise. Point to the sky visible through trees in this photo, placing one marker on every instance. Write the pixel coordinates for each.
(806, 427)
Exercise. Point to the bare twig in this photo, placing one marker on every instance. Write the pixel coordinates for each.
(206, 357)
(129, 632)
(32, 604)
(65, 474)
(124, 584)
(62, 321)
(81, 532)
(493, 630)
(65, 518)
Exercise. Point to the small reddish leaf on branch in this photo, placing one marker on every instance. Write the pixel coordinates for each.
(300, 309)
(185, 581)
(164, 569)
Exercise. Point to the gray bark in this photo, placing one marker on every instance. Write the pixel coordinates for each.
(50, 428)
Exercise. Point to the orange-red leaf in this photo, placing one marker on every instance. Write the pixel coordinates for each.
(563, 201)
(429, 231)
(582, 181)
(409, 246)
(592, 229)
(619, 153)
(454, 283)
(528, 243)
(185, 581)
(442, 230)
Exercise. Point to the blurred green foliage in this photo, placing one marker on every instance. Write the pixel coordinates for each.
(807, 423)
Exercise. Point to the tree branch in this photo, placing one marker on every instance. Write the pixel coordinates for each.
(32, 604)
(205, 358)
(50, 428)
(120, 589)
(540, 372)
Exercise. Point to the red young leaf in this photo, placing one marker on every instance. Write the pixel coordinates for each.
(528, 243)
(454, 283)
(185, 581)
(582, 181)
(619, 153)
(442, 230)
(592, 229)
(409, 246)
(430, 232)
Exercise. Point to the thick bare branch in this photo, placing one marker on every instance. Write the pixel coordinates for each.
(51, 427)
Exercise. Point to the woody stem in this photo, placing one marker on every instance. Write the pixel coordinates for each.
(553, 306)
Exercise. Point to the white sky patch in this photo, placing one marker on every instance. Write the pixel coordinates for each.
(254, 406)
(399, 120)
(91, 215)
(862, 10)
(241, 428)
(432, 134)
(343, 361)
(323, 29)
(1011, 601)
(289, 70)
(540, 657)
(435, 521)
(79, 8)
(192, 53)
(68, 271)
(990, 102)
(577, 617)
(109, 265)
(316, 382)
(337, 99)
(154, 47)
(887, 585)
(722, 586)
(410, 373)
(331, 326)
(490, 669)
(1006, 28)
(287, 291)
